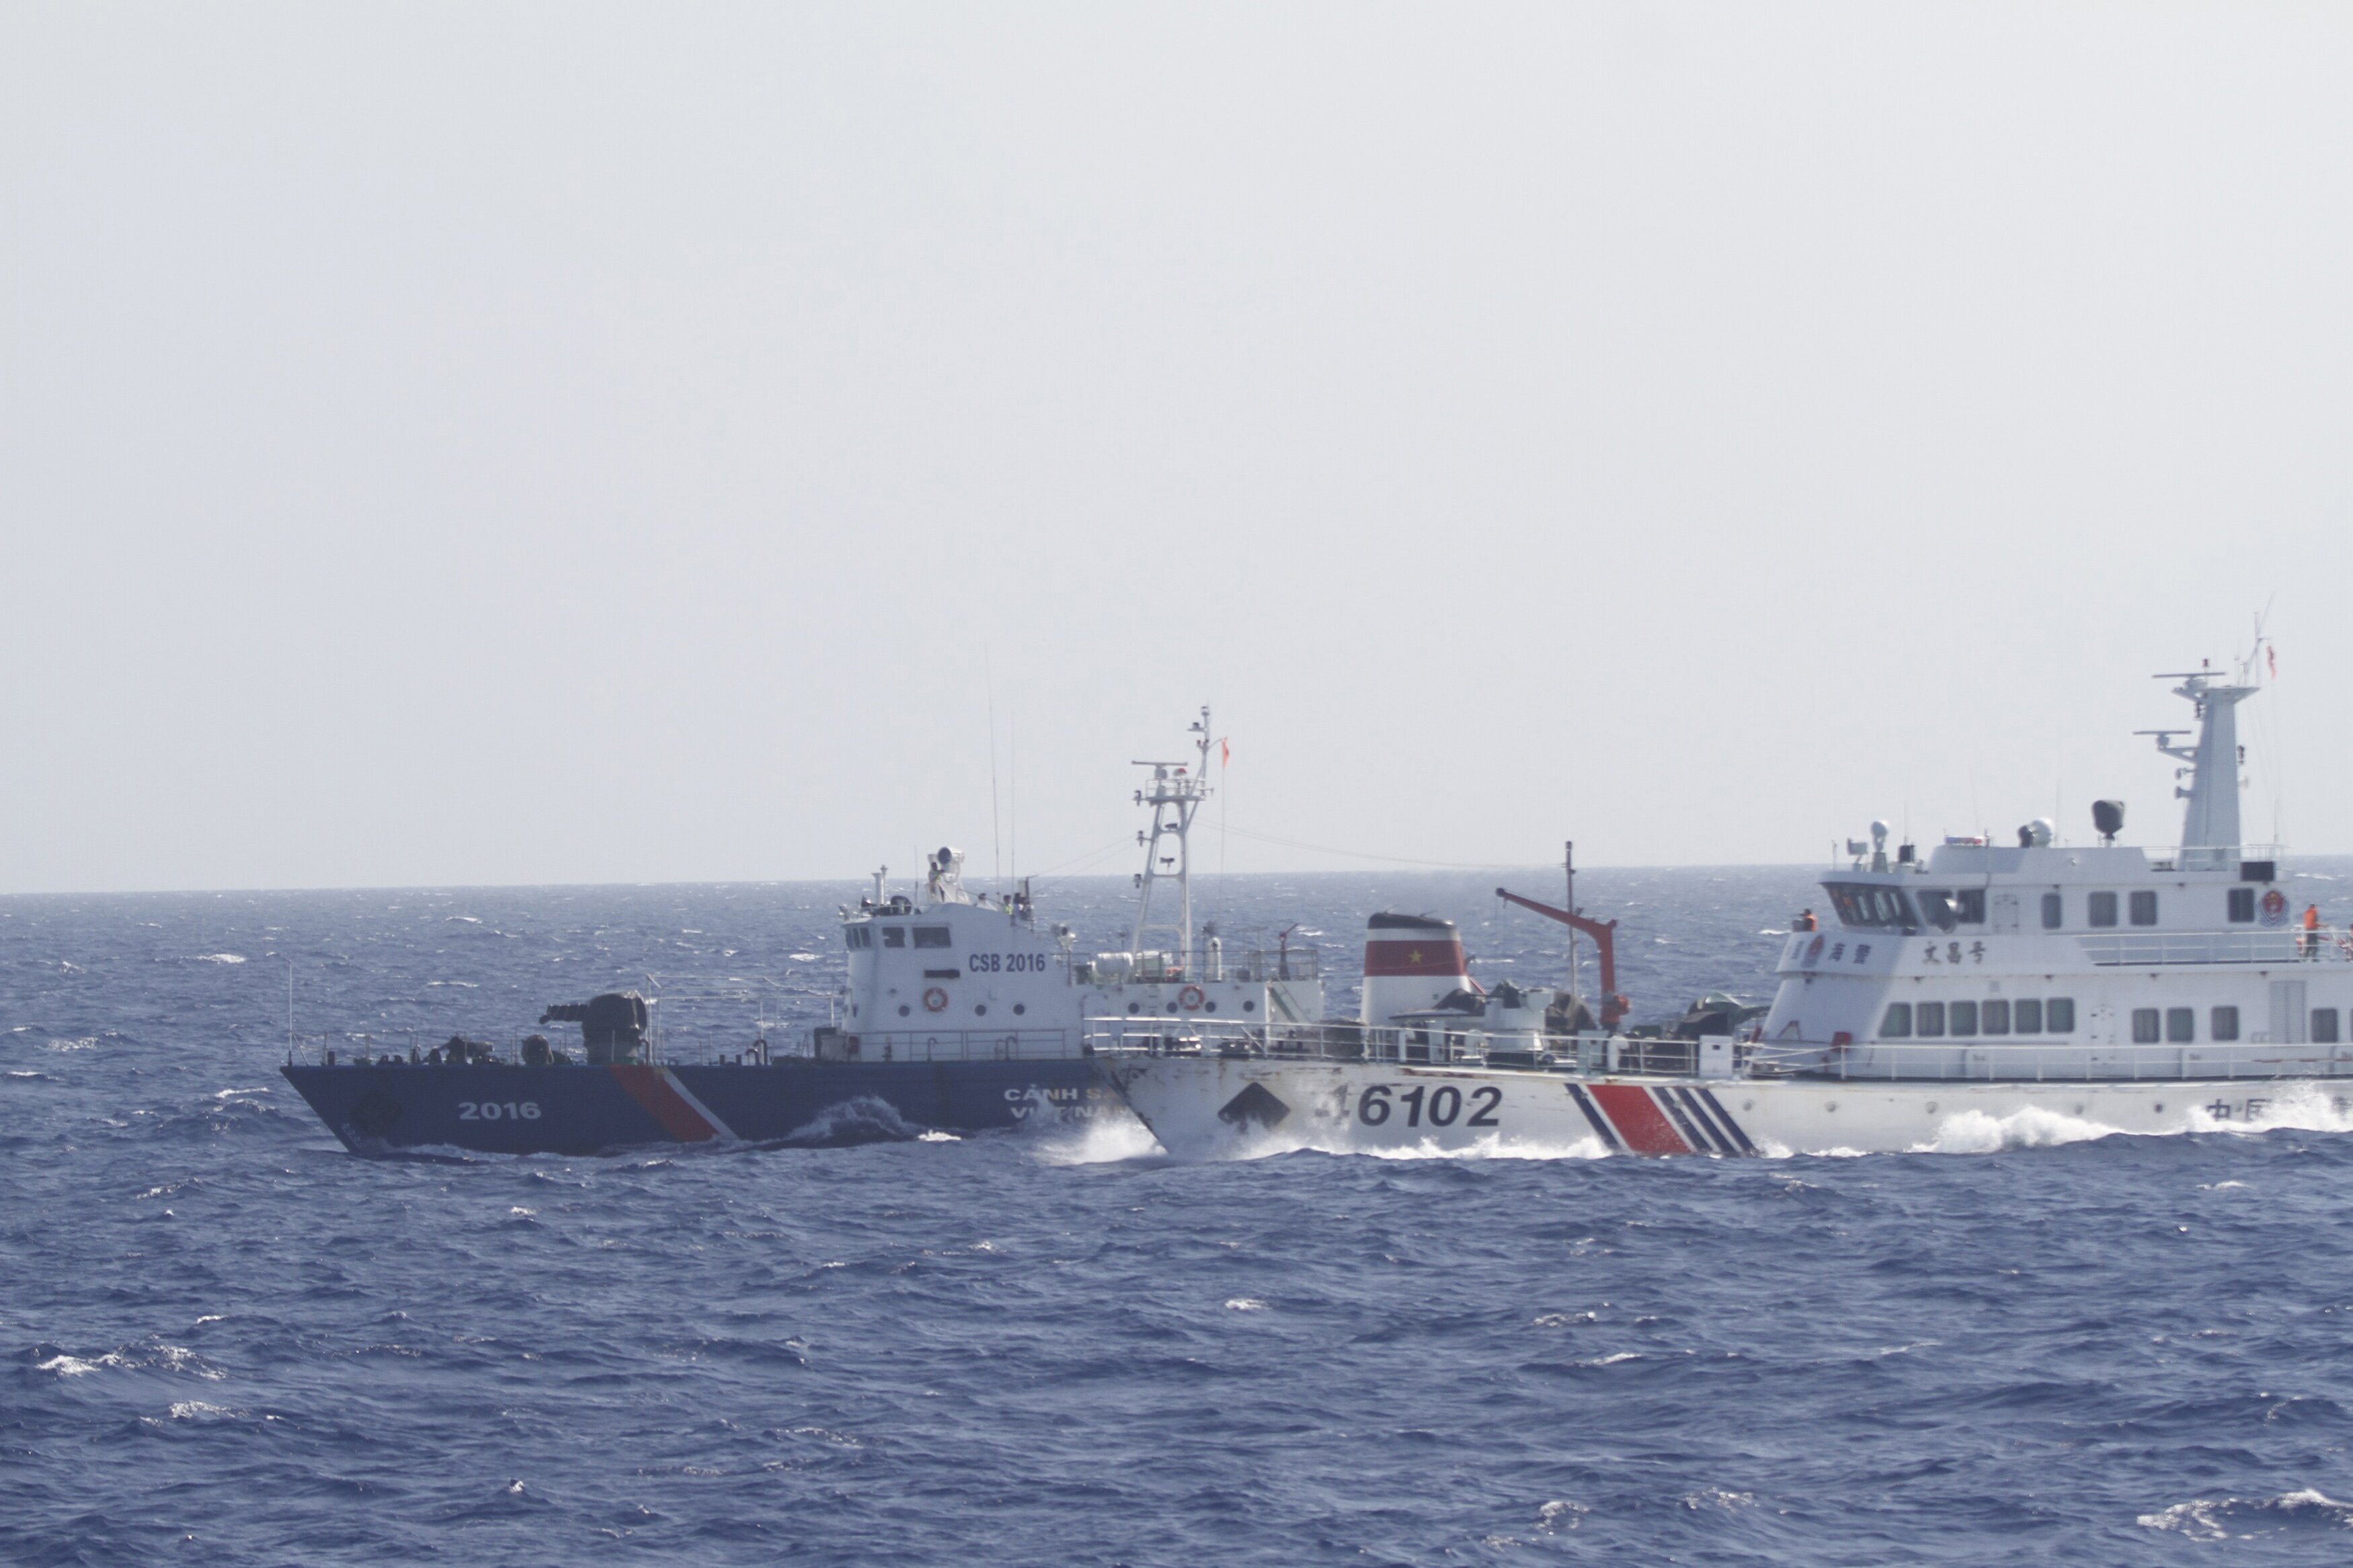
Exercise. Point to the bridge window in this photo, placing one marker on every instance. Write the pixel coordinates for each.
(2180, 1026)
(2323, 1025)
(932, 936)
(1995, 1016)
(1864, 905)
(2051, 911)
(2243, 906)
(2027, 1014)
(2223, 1025)
(1897, 1024)
(858, 936)
(1930, 1015)
(2100, 909)
(894, 936)
(2145, 1026)
(1944, 908)
(2143, 909)
(1965, 1017)
(2059, 1013)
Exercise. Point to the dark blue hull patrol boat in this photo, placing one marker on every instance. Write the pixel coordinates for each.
(961, 1013)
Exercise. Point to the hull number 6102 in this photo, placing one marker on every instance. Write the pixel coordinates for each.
(1443, 1105)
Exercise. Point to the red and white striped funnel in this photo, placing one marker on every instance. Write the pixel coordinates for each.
(1412, 962)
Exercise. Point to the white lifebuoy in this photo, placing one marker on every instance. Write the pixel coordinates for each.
(1191, 998)
(935, 1000)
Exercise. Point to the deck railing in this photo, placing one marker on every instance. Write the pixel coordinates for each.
(871, 1046)
(2133, 948)
(2046, 1062)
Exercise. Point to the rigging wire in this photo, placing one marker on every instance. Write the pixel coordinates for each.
(995, 841)
(1362, 855)
(1072, 867)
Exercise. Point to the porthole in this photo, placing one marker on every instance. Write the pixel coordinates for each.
(980, 1009)
(2158, 1108)
(1171, 1007)
(1019, 1008)
(1135, 1007)
(902, 1010)
(1250, 1007)
(1210, 1006)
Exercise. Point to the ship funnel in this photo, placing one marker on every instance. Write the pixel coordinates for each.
(1412, 963)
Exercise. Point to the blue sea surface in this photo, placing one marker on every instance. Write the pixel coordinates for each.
(228, 1341)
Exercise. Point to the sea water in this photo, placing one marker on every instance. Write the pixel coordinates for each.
(228, 1341)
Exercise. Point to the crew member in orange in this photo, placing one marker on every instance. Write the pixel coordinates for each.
(1805, 922)
(2311, 929)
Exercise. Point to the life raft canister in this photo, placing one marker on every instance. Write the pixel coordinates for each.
(1190, 998)
(935, 1000)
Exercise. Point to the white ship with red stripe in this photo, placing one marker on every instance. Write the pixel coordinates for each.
(1980, 995)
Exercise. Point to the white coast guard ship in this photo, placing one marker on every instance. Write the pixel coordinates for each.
(1986, 994)
(949, 976)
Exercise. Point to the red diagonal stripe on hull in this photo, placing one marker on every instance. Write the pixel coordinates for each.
(1639, 1120)
(649, 1089)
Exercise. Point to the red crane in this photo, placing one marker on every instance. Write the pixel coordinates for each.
(1613, 1007)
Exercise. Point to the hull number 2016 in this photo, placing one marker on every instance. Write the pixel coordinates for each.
(492, 1110)
(1005, 963)
(1443, 1105)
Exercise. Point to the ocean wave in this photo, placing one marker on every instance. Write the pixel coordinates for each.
(2221, 1519)
(1979, 1132)
(864, 1118)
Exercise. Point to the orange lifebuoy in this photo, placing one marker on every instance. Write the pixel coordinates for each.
(1191, 998)
(935, 1000)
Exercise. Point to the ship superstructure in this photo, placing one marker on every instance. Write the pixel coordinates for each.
(951, 976)
(2043, 959)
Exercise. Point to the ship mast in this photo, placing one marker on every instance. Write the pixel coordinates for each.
(1175, 795)
(2210, 825)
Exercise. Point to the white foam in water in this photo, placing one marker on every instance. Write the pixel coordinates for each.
(68, 1366)
(220, 958)
(1976, 1133)
(1560, 1515)
(198, 1410)
(1101, 1141)
(2211, 1519)
(864, 1116)
(1499, 1147)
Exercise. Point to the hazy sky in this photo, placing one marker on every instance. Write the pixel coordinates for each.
(512, 443)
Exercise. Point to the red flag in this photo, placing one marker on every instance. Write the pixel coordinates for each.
(1225, 753)
(2272, 654)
